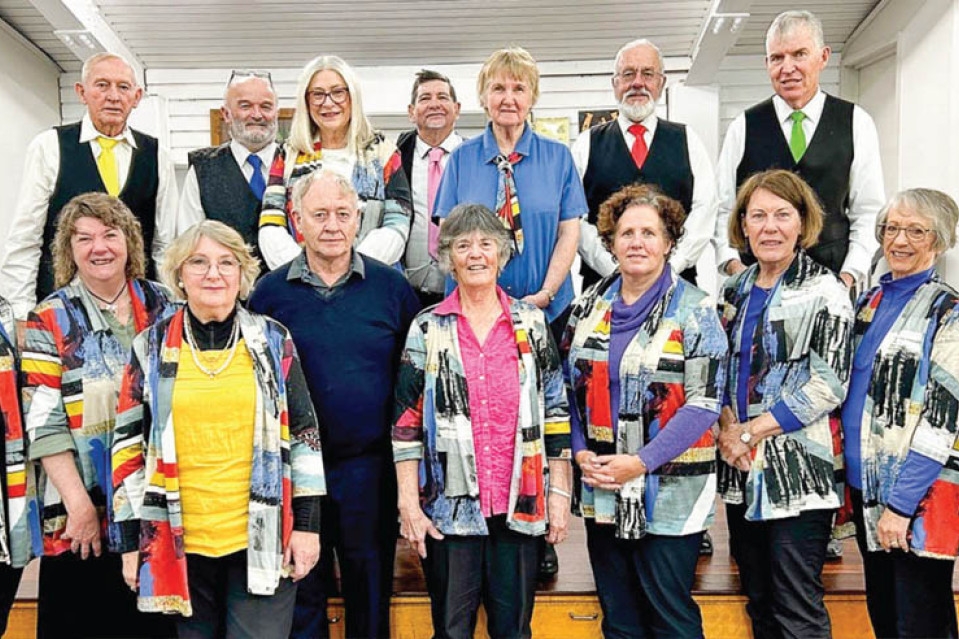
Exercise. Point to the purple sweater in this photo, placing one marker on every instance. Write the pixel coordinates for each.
(687, 425)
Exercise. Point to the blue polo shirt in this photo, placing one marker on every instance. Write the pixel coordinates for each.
(549, 191)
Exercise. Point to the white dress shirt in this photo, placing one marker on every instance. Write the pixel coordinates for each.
(700, 218)
(866, 190)
(21, 254)
(191, 209)
(424, 272)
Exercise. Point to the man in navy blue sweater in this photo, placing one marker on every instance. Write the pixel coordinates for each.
(348, 315)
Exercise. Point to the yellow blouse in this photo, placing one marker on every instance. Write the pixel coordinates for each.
(214, 421)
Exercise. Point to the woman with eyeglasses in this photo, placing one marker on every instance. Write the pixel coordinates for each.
(216, 453)
(76, 343)
(330, 130)
(788, 320)
(899, 423)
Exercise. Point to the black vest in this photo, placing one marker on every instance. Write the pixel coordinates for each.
(78, 174)
(824, 166)
(611, 167)
(225, 193)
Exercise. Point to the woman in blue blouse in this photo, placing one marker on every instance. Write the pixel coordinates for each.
(899, 422)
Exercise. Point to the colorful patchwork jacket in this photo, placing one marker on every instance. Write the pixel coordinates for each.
(913, 404)
(677, 357)
(378, 178)
(433, 422)
(802, 355)
(71, 369)
(287, 462)
(15, 463)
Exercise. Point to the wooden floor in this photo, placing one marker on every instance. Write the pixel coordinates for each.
(566, 608)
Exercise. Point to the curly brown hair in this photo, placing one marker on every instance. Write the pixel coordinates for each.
(788, 186)
(111, 212)
(671, 212)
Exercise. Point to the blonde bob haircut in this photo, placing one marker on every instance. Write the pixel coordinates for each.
(183, 246)
(303, 131)
(514, 62)
(788, 186)
(112, 213)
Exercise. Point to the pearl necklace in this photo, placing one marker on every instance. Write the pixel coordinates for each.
(194, 349)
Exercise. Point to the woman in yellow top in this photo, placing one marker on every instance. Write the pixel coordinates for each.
(216, 456)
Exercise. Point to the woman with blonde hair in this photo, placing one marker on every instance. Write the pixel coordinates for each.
(216, 454)
(76, 343)
(330, 130)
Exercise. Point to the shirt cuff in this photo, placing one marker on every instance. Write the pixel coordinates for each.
(787, 420)
(52, 444)
(306, 514)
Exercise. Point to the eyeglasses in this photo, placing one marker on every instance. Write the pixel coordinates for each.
(913, 233)
(239, 75)
(201, 266)
(317, 97)
(628, 76)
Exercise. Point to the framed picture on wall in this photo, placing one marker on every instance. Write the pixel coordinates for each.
(596, 116)
(220, 130)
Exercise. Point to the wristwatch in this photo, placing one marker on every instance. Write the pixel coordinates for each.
(549, 294)
(746, 437)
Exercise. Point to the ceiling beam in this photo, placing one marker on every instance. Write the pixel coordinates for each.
(721, 29)
(79, 25)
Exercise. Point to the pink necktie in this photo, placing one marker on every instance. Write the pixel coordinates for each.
(434, 171)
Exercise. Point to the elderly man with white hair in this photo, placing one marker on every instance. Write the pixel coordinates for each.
(832, 144)
(226, 182)
(640, 147)
(99, 153)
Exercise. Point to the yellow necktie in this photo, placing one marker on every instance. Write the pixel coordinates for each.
(107, 165)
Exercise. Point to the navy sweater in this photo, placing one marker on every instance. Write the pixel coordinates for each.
(349, 344)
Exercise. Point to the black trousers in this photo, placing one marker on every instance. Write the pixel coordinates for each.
(498, 570)
(224, 609)
(81, 598)
(9, 582)
(907, 595)
(358, 529)
(645, 585)
(780, 570)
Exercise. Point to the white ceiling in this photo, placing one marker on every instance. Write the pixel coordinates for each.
(283, 33)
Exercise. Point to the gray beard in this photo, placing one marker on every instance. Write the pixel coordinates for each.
(253, 140)
(637, 112)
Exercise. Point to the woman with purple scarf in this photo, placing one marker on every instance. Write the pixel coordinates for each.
(645, 365)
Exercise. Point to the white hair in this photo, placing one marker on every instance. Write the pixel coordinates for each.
(303, 185)
(97, 58)
(640, 42)
(303, 129)
(788, 21)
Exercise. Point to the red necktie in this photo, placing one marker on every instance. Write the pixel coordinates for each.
(639, 150)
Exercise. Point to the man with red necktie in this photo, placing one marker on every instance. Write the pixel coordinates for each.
(639, 147)
(425, 151)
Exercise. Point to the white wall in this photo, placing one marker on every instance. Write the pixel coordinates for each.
(29, 103)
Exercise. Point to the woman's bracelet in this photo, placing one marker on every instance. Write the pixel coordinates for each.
(560, 492)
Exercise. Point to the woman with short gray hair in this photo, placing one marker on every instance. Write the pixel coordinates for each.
(480, 401)
(899, 423)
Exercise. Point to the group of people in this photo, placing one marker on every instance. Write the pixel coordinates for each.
(416, 362)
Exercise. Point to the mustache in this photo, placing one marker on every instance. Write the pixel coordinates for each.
(634, 92)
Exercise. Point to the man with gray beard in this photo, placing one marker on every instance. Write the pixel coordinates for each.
(226, 182)
(639, 147)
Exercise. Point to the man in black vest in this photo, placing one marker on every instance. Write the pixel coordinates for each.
(831, 143)
(226, 182)
(425, 151)
(99, 153)
(639, 147)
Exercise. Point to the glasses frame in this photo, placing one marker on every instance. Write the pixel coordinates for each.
(232, 270)
(918, 233)
(311, 99)
(641, 73)
(240, 74)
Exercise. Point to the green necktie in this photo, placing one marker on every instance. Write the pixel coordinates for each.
(797, 140)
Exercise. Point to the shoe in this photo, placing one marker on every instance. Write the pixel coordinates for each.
(549, 566)
(834, 550)
(706, 545)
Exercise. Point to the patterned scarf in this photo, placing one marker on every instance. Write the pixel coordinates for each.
(507, 200)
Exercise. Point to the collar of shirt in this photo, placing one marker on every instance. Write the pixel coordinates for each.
(89, 133)
(449, 144)
(812, 110)
(451, 305)
(650, 122)
(491, 148)
(300, 270)
(241, 153)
